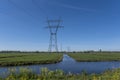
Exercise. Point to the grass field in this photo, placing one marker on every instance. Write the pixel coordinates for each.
(13, 59)
(27, 74)
(81, 57)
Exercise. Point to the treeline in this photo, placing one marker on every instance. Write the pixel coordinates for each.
(22, 52)
(94, 51)
(89, 51)
(29, 52)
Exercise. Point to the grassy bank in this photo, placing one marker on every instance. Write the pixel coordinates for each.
(13, 59)
(95, 56)
(27, 74)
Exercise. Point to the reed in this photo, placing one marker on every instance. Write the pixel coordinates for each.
(46, 74)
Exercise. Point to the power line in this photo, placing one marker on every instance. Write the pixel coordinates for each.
(20, 8)
(37, 5)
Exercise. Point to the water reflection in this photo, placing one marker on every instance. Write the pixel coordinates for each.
(70, 65)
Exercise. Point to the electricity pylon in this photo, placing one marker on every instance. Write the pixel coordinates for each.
(53, 26)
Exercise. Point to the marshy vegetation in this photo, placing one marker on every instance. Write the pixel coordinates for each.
(45, 74)
(96, 56)
(15, 59)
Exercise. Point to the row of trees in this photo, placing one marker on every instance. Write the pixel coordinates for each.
(90, 51)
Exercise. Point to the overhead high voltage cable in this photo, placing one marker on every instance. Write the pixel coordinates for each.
(20, 8)
(37, 5)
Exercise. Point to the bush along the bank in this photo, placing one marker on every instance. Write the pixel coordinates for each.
(46, 74)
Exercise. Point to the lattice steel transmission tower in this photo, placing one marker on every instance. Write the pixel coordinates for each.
(53, 26)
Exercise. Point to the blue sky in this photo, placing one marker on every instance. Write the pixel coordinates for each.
(88, 24)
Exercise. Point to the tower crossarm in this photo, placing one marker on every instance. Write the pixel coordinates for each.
(54, 27)
(54, 21)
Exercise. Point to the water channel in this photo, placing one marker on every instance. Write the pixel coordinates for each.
(70, 65)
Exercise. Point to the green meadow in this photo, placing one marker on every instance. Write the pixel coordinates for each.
(14, 59)
(95, 56)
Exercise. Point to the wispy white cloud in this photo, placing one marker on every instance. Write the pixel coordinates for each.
(69, 6)
(76, 7)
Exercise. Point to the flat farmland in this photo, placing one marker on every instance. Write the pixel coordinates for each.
(14, 59)
(89, 57)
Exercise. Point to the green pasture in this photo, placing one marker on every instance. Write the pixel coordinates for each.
(95, 56)
(13, 59)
